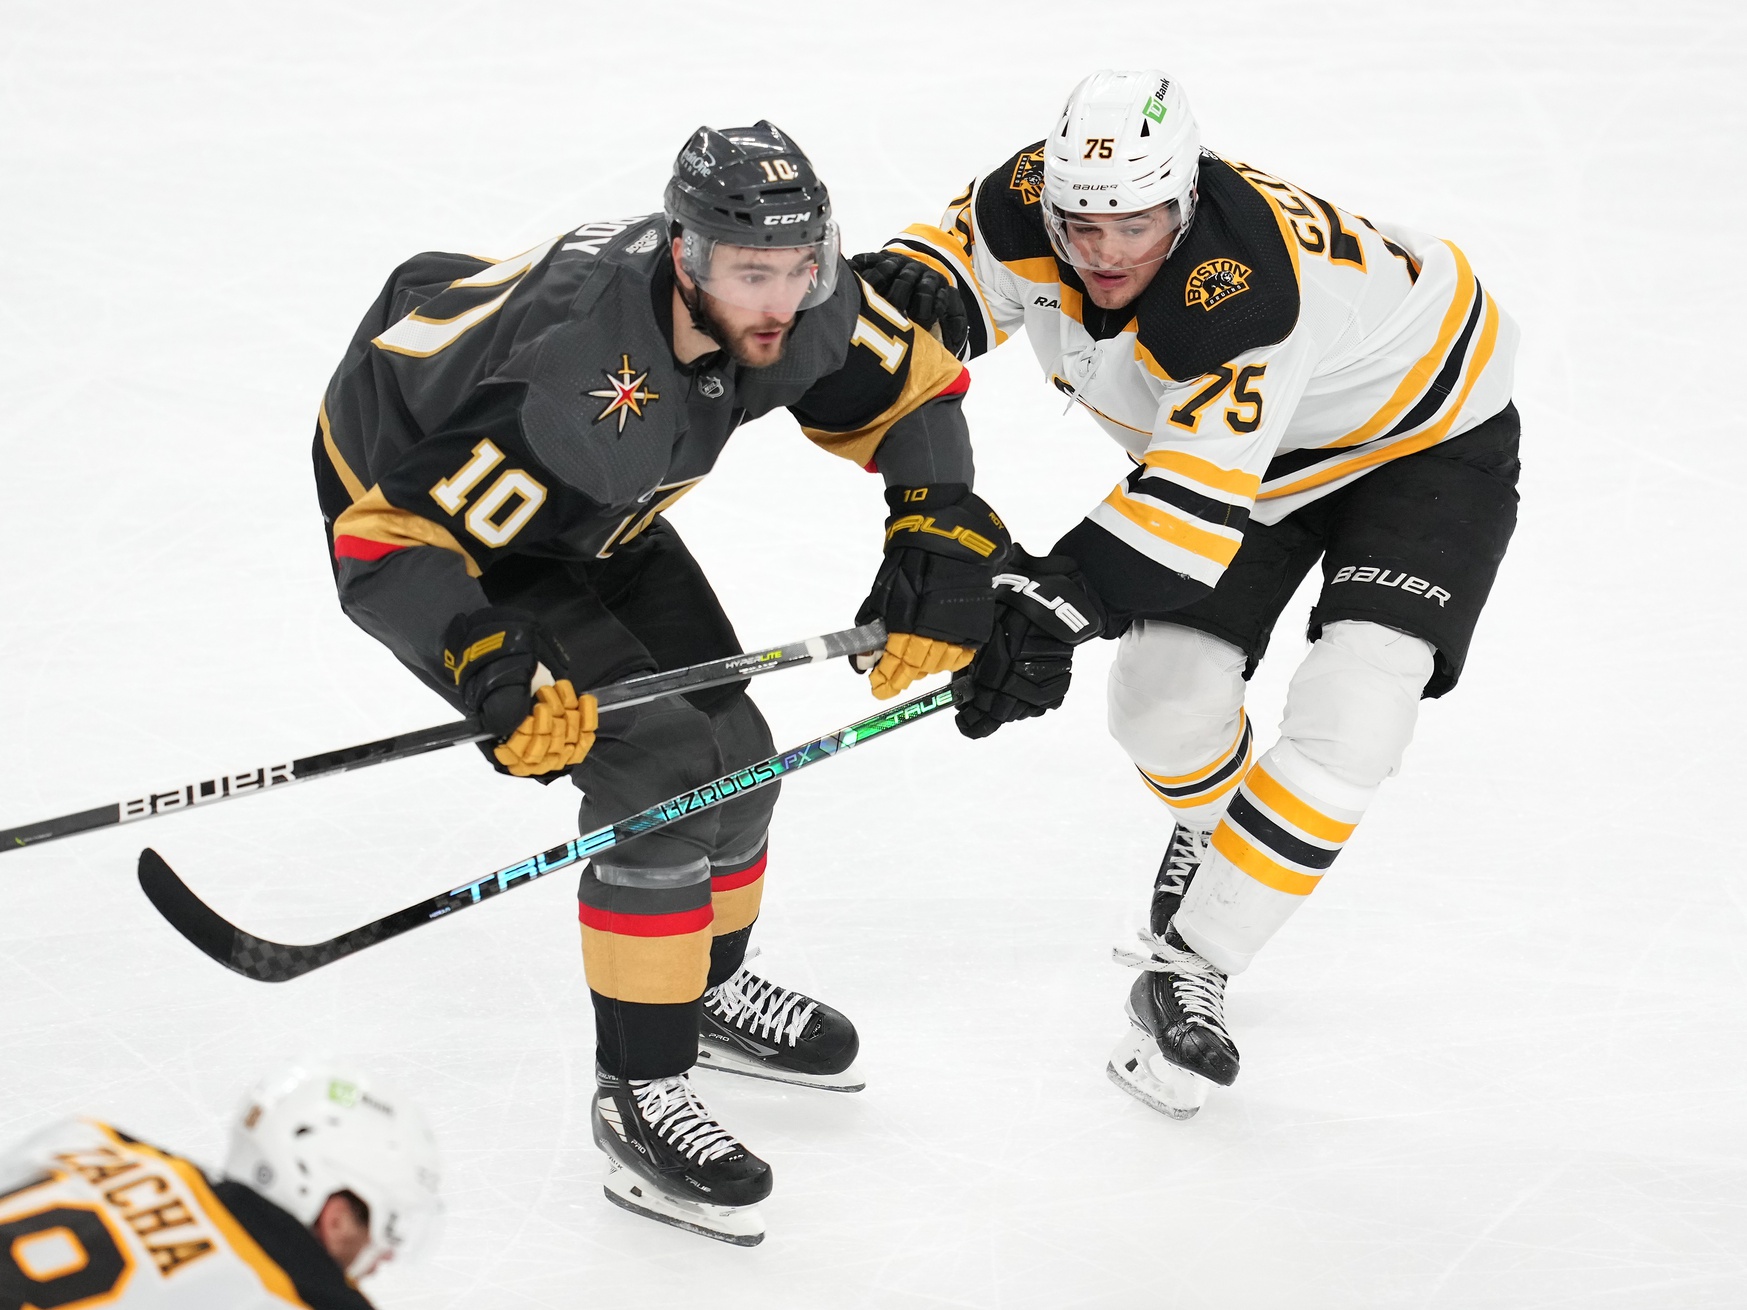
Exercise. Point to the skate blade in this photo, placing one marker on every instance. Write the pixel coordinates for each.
(736, 1225)
(1138, 1069)
(727, 1059)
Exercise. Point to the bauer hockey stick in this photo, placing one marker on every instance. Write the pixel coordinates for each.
(265, 961)
(614, 696)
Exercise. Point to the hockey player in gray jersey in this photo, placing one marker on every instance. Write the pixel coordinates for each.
(493, 459)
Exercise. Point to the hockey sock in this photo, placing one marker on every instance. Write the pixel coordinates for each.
(646, 951)
(1196, 798)
(1277, 839)
(736, 890)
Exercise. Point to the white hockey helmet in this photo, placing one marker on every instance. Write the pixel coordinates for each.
(1126, 143)
(316, 1128)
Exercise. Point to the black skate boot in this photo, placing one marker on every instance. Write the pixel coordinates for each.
(1178, 1048)
(754, 1027)
(669, 1160)
(1182, 858)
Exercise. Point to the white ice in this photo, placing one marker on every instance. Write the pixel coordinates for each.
(1498, 1059)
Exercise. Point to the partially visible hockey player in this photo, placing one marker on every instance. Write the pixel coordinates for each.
(493, 458)
(329, 1174)
(1291, 382)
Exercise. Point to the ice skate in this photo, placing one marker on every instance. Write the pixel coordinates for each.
(1182, 858)
(754, 1027)
(1177, 1048)
(668, 1159)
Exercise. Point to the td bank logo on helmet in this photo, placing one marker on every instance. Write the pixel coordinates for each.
(1381, 577)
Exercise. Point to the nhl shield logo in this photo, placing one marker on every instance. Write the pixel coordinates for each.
(1215, 282)
(1028, 176)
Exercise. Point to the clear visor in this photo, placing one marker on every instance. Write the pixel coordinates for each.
(779, 280)
(1113, 243)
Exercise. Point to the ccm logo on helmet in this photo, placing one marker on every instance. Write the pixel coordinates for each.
(1071, 618)
(1415, 585)
(802, 217)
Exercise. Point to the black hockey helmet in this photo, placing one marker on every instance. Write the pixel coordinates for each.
(752, 187)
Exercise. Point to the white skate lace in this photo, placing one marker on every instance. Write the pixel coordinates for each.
(672, 1109)
(760, 1007)
(1182, 859)
(1198, 986)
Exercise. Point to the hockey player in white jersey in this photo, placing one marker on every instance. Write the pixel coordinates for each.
(1291, 382)
(328, 1175)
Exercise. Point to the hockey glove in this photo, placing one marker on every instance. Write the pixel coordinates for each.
(919, 293)
(502, 662)
(1046, 609)
(943, 545)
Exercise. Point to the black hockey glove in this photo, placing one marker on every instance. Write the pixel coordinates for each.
(1046, 609)
(493, 655)
(919, 293)
(943, 546)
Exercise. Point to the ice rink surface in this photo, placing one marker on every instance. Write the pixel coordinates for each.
(1497, 1060)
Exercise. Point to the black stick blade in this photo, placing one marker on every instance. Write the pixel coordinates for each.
(240, 952)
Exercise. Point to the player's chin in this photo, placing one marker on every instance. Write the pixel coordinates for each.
(762, 347)
(1111, 289)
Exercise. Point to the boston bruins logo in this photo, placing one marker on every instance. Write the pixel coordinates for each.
(1215, 282)
(1028, 176)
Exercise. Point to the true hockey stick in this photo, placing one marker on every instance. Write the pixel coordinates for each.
(265, 961)
(617, 695)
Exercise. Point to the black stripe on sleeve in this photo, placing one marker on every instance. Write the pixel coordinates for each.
(1180, 497)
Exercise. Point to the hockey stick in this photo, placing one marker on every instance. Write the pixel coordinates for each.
(265, 961)
(617, 695)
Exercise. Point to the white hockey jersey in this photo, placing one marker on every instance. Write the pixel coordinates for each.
(89, 1216)
(1286, 348)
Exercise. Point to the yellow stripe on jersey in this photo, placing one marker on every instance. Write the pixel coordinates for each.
(1419, 377)
(1269, 872)
(1144, 358)
(1041, 268)
(952, 251)
(354, 488)
(372, 518)
(932, 369)
(1288, 806)
(1166, 525)
(938, 265)
(1477, 363)
(1281, 221)
(1204, 473)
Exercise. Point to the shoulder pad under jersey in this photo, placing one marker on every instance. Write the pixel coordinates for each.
(1009, 210)
(1230, 287)
(604, 404)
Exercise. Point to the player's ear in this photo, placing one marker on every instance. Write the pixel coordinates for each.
(676, 245)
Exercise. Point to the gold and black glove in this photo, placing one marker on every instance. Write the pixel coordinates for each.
(919, 293)
(932, 591)
(495, 657)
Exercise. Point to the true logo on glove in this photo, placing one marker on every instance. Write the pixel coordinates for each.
(1071, 618)
(971, 540)
(484, 646)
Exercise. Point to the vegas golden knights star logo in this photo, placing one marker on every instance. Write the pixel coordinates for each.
(1028, 176)
(625, 394)
(1216, 281)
